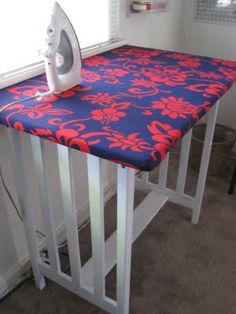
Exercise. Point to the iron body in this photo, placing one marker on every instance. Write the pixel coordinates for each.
(63, 55)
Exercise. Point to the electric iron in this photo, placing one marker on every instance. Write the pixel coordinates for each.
(63, 55)
(62, 58)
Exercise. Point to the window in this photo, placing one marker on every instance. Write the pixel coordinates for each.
(23, 28)
(216, 11)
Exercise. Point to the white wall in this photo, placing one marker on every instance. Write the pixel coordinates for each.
(155, 30)
(215, 41)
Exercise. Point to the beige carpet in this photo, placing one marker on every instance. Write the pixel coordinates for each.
(177, 268)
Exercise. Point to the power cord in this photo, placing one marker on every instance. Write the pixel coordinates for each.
(13, 202)
(40, 233)
(16, 102)
(38, 95)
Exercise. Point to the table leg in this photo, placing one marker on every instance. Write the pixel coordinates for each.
(14, 138)
(42, 176)
(204, 163)
(96, 200)
(125, 207)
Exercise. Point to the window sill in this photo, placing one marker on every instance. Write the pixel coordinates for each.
(14, 77)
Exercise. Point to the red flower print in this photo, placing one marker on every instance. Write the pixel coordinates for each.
(121, 105)
(175, 75)
(100, 98)
(229, 74)
(18, 126)
(208, 90)
(210, 75)
(90, 76)
(131, 142)
(16, 106)
(207, 106)
(178, 56)
(165, 137)
(40, 110)
(175, 107)
(143, 60)
(142, 82)
(147, 113)
(81, 88)
(190, 63)
(137, 52)
(45, 133)
(107, 115)
(96, 61)
(223, 62)
(115, 72)
(167, 76)
(215, 89)
(197, 87)
(67, 94)
(31, 90)
(70, 138)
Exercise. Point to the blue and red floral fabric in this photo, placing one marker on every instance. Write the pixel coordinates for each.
(132, 106)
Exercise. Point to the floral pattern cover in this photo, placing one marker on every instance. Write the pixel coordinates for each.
(132, 106)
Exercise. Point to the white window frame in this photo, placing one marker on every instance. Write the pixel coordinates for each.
(18, 75)
(27, 72)
(216, 12)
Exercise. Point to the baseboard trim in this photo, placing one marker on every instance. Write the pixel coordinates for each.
(21, 271)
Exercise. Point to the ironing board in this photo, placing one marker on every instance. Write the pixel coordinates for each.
(131, 108)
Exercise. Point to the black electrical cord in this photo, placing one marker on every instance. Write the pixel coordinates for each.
(13, 202)
(19, 213)
(21, 218)
(10, 196)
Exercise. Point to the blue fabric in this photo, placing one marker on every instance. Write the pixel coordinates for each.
(132, 106)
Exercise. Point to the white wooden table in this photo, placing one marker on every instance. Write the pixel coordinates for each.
(89, 281)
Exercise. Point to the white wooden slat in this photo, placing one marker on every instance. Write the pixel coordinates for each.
(183, 162)
(204, 162)
(96, 200)
(145, 176)
(70, 214)
(42, 170)
(163, 171)
(125, 207)
(16, 157)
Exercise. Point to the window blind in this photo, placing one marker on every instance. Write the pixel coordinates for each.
(216, 11)
(113, 19)
(23, 27)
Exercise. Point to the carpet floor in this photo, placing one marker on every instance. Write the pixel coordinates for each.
(177, 267)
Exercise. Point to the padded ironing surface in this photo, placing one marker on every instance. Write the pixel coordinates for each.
(132, 106)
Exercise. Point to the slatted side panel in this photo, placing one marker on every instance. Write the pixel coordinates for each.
(16, 155)
(125, 208)
(145, 176)
(212, 114)
(69, 205)
(163, 171)
(96, 200)
(183, 162)
(42, 169)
